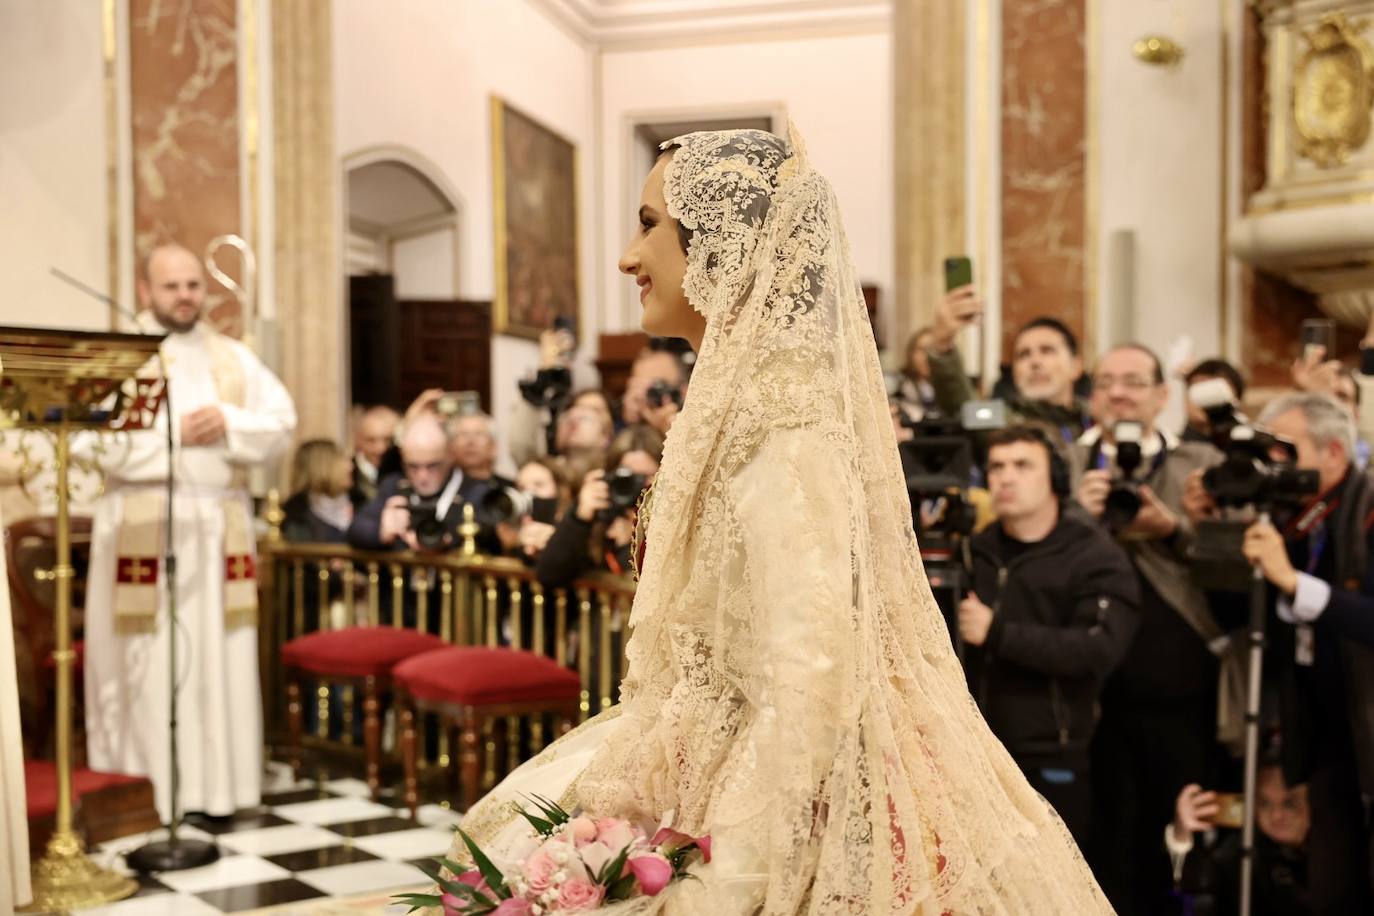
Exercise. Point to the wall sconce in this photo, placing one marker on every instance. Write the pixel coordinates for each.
(1157, 51)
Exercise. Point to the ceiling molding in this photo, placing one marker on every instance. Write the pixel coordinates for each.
(622, 25)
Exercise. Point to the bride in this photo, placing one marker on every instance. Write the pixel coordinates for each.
(791, 687)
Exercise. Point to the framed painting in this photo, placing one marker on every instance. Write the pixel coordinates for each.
(535, 206)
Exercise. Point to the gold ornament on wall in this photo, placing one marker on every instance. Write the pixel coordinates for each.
(1333, 91)
(1157, 50)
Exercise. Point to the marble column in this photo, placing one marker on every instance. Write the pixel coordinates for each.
(184, 92)
(308, 287)
(929, 97)
(1044, 164)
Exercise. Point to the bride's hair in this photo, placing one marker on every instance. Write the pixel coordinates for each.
(684, 235)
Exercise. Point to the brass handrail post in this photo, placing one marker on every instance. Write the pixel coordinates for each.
(65, 877)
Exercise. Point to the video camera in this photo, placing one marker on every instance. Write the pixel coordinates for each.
(1258, 470)
(938, 464)
(430, 533)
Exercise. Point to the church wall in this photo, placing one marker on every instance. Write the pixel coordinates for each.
(837, 90)
(421, 76)
(1159, 177)
(53, 190)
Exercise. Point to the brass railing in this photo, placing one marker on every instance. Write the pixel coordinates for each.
(464, 597)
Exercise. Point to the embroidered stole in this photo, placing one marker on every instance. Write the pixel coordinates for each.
(140, 544)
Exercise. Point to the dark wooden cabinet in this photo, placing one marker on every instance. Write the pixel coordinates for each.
(400, 348)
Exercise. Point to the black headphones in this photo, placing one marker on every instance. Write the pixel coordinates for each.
(1059, 468)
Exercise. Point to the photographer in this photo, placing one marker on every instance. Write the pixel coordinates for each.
(1045, 366)
(1319, 648)
(1159, 709)
(421, 508)
(598, 533)
(532, 507)
(1199, 428)
(1206, 862)
(656, 388)
(1051, 611)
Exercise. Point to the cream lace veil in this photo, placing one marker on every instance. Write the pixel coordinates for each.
(791, 686)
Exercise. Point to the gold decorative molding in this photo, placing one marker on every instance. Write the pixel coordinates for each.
(1333, 91)
(308, 275)
(928, 48)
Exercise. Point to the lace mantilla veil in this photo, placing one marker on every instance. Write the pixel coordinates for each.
(791, 687)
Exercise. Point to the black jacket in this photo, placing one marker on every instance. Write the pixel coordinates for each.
(567, 555)
(302, 526)
(365, 532)
(1064, 612)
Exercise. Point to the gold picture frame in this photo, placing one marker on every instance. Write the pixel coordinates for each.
(534, 187)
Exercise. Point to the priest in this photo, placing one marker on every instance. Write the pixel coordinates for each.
(228, 412)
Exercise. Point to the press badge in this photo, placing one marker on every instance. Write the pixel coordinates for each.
(1304, 646)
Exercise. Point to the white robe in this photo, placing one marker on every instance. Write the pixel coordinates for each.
(128, 699)
(14, 814)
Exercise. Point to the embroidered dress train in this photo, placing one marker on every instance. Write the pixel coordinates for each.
(791, 688)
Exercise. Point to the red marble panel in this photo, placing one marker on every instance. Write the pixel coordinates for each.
(184, 97)
(1044, 163)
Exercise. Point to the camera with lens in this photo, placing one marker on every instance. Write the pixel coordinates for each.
(938, 465)
(509, 505)
(625, 486)
(1123, 499)
(1258, 469)
(660, 393)
(430, 533)
(549, 388)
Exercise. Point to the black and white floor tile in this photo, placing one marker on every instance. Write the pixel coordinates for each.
(307, 842)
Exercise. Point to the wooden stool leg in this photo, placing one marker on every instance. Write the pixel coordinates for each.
(372, 736)
(412, 789)
(294, 720)
(470, 759)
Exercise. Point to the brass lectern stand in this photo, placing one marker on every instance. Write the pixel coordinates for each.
(61, 381)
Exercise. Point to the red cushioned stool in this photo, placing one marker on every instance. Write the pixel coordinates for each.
(355, 655)
(471, 686)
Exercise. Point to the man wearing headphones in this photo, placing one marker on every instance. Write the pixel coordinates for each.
(1051, 610)
(1159, 708)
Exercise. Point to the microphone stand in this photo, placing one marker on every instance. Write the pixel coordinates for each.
(173, 853)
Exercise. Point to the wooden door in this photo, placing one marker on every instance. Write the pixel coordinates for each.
(445, 344)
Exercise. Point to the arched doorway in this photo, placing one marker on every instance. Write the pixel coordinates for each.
(409, 327)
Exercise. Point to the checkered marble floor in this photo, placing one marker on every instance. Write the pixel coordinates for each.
(307, 843)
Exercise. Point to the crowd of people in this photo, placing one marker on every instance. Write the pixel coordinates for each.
(1108, 665)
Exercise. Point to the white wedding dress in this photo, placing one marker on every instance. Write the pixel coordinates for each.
(791, 688)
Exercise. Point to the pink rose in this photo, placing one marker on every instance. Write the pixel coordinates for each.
(452, 905)
(514, 906)
(578, 896)
(614, 832)
(652, 871)
(539, 869)
(583, 830)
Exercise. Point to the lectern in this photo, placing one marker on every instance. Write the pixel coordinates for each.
(65, 381)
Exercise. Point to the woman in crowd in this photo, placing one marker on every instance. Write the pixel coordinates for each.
(319, 510)
(545, 482)
(595, 535)
(910, 387)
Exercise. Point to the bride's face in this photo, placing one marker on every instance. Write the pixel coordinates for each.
(657, 261)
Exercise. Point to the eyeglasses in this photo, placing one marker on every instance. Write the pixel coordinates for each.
(1129, 382)
(431, 467)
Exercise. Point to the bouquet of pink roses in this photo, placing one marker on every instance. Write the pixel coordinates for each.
(571, 864)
